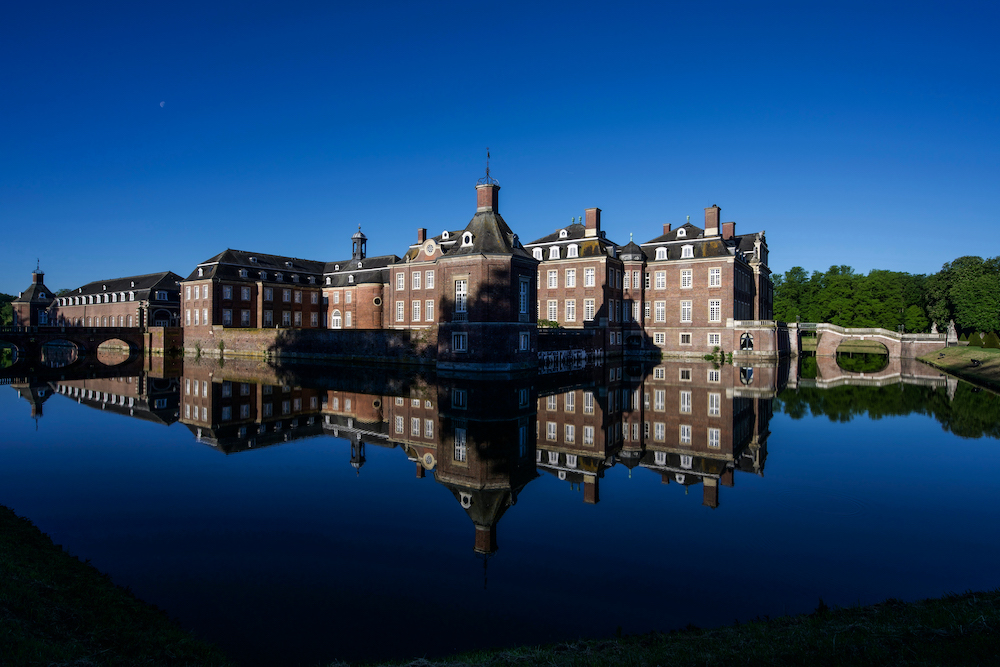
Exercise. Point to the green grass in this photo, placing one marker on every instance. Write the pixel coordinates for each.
(56, 610)
(953, 630)
(958, 361)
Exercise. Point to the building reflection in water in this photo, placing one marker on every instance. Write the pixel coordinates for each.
(691, 423)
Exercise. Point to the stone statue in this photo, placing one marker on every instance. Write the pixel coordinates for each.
(952, 333)
(934, 329)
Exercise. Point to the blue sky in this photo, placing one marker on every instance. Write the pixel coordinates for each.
(853, 133)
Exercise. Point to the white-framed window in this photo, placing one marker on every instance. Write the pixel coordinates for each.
(714, 438)
(660, 458)
(661, 311)
(461, 445)
(400, 311)
(227, 291)
(429, 279)
(335, 321)
(685, 434)
(635, 311)
(537, 254)
(399, 423)
(661, 280)
(298, 318)
(523, 288)
(553, 309)
(569, 437)
(685, 402)
(244, 318)
(715, 310)
(400, 281)
(245, 293)
(661, 253)
(459, 399)
(286, 318)
(588, 277)
(659, 338)
(687, 279)
(461, 295)
(286, 295)
(227, 318)
(659, 431)
(415, 315)
(554, 252)
(715, 339)
(687, 252)
(714, 404)
(685, 374)
(569, 401)
(524, 341)
(268, 318)
(415, 426)
(314, 319)
(196, 317)
(714, 375)
(551, 403)
(428, 428)
(415, 279)
(268, 294)
(659, 373)
(466, 239)
(460, 342)
(588, 436)
(187, 292)
(573, 250)
(550, 434)
(429, 310)
(314, 298)
(685, 339)
(646, 309)
(685, 311)
(588, 402)
(659, 400)
(588, 309)
(553, 281)
(571, 310)
(348, 296)
(715, 277)
(570, 277)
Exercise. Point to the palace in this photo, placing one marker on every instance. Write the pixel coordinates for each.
(472, 297)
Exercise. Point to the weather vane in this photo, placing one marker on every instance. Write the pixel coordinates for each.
(487, 180)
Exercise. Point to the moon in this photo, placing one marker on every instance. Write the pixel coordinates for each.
(162, 103)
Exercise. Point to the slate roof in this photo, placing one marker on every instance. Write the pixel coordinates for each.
(690, 233)
(490, 236)
(373, 270)
(576, 230)
(164, 280)
(256, 261)
(631, 252)
(31, 294)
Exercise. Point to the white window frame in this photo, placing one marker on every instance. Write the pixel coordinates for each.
(686, 311)
(715, 310)
(687, 278)
(715, 277)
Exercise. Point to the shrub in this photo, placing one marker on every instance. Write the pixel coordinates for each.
(975, 340)
(992, 340)
(964, 337)
(549, 324)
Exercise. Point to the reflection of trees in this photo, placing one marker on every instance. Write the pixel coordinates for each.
(862, 362)
(972, 413)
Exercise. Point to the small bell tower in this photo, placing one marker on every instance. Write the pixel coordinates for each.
(359, 245)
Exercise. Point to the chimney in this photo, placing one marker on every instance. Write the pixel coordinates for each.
(710, 492)
(666, 228)
(486, 539)
(421, 235)
(728, 230)
(593, 222)
(591, 493)
(487, 197)
(712, 220)
(36, 277)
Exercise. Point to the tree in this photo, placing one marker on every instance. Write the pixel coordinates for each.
(6, 310)
(915, 321)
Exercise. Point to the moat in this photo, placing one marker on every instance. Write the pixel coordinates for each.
(298, 515)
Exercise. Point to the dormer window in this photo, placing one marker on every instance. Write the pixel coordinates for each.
(41, 295)
(562, 233)
(201, 272)
(133, 284)
(687, 251)
(295, 278)
(445, 235)
(359, 265)
(466, 239)
(243, 273)
(573, 250)
(253, 260)
(661, 253)
(131, 296)
(328, 280)
(277, 276)
(681, 233)
(288, 265)
(263, 275)
(312, 280)
(350, 279)
(554, 252)
(537, 253)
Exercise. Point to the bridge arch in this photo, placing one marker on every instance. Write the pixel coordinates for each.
(60, 353)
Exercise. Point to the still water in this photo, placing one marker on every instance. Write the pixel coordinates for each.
(301, 515)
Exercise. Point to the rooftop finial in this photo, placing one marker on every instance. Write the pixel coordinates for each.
(630, 237)
(487, 180)
(38, 264)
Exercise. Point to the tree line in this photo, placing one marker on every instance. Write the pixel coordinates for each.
(966, 290)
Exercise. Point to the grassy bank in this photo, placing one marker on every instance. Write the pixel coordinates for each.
(958, 362)
(55, 609)
(954, 630)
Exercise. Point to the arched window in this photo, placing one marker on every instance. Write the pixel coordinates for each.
(104, 321)
(554, 252)
(466, 239)
(335, 321)
(746, 341)
(573, 250)
(562, 233)
(350, 279)
(130, 320)
(661, 253)
(687, 251)
(537, 253)
(445, 235)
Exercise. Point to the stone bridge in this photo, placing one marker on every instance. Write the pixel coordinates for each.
(898, 370)
(29, 341)
(905, 346)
